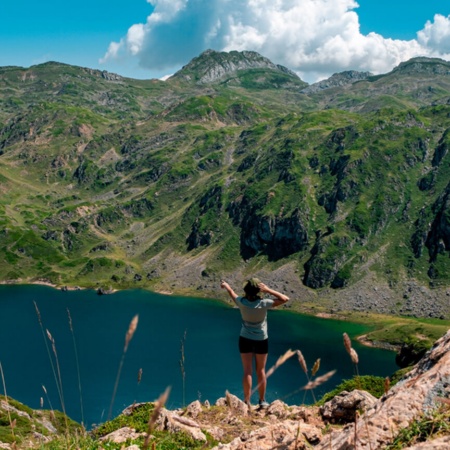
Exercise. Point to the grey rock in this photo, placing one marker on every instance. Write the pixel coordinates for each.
(343, 407)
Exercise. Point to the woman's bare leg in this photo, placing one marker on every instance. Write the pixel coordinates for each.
(261, 361)
(247, 364)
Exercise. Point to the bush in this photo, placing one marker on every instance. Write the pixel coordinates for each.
(373, 385)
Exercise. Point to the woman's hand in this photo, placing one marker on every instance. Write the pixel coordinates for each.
(229, 289)
(280, 298)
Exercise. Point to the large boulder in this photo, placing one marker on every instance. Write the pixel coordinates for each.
(343, 407)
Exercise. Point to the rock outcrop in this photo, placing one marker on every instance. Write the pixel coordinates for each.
(415, 395)
(336, 80)
(212, 66)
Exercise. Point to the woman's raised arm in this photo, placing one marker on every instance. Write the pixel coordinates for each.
(281, 299)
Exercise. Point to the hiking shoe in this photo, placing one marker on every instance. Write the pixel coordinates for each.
(263, 404)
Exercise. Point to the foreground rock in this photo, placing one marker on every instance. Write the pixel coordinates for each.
(291, 427)
(343, 407)
(404, 403)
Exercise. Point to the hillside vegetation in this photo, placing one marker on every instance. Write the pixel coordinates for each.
(234, 166)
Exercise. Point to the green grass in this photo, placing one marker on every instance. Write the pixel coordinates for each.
(373, 385)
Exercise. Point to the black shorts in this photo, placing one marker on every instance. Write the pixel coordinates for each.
(252, 346)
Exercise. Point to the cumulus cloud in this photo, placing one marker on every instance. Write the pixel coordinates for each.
(316, 38)
(436, 36)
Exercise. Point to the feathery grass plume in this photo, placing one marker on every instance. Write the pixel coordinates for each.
(154, 417)
(354, 356)
(12, 426)
(319, 380)
(75, 349)
(387, 384)
(128, 336)
(131, 330)
(302, 362)
(38, 313)
(316, 367)
(347, 343)
(352, 352)
(59, 384)
(42, 402)
(304, 367)
(280, 361)
(182, 366)
(139, 378)
(52, 412)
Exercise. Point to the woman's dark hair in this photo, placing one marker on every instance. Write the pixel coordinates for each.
(251, 289)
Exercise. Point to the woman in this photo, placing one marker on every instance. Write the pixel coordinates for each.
(253, 339)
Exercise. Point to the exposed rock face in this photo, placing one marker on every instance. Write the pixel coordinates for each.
(274, 236)
(211, 66)
(337, 80)
(407, 400)
(287, 435)
(438, 240)
(424, 66)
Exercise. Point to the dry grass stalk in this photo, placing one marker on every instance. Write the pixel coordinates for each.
(49, 336)
(154, 417)
(7, 402)
(139, 378)
(59, 379)
(316, 367)
(128, 336)
(319, 380)
(182, 366)
(280, 361)
(131, 330)
(387, 384)
(75, 349)
(347, 343)
(354, 356)
(302, 361)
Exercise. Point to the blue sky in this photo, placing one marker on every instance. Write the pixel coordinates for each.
(145, 39)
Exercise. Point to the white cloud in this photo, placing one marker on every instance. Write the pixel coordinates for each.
(316, 38)
(436, 36)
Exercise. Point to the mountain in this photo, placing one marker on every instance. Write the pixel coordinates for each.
(337, 80)
(339, 197)
(247, 68)
(418, 82)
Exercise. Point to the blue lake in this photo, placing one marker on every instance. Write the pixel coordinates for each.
(212, 362)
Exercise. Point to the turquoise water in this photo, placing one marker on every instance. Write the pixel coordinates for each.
(212, 361)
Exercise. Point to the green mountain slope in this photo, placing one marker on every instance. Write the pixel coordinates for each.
(343, 192)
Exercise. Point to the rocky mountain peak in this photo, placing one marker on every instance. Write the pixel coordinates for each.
(211, 66)
(422, 65)
(337, 80)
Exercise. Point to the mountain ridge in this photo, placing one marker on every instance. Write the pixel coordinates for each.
(173, 185)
